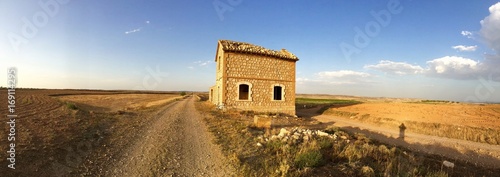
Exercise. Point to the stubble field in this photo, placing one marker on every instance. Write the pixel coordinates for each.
(58, 130)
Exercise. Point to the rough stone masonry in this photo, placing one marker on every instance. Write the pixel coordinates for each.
(251, 77)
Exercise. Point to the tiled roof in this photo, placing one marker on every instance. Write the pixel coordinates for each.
(234, 46)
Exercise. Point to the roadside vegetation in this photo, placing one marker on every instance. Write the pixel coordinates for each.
(268, 152)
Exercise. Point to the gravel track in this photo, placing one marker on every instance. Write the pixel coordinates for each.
(177, 143)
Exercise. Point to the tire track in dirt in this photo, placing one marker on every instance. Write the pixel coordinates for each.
(177, 143)
(467, 151)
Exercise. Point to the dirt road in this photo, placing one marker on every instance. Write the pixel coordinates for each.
(452, 149)
(175, 143)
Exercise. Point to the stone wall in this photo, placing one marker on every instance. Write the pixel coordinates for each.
(218, 95)
(262, 72)
(260, 67)
(261, 97)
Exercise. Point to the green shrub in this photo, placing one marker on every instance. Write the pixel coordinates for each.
(309, 158)
(275, 145)
(325, 143)
(183, 93)
(71, 106)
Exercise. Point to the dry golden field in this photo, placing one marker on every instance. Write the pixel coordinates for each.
(474, 115)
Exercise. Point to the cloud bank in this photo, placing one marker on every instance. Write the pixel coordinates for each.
(451, 67)
(456, 67)
(396, 68)
(343, 74)
(465, 48)
(490, 28)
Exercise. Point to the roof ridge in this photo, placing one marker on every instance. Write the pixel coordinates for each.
(230, 45)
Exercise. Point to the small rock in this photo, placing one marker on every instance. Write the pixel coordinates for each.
(321, 133)
(448, 164)
(283, 132)
(343, 137)
(259, 145)
(334, 136)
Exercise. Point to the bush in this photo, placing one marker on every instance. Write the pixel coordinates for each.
(309, 158)
(275, 145)
(71, 106)
(183, 93)
(325, 143)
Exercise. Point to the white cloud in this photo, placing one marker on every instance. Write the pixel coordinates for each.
(342, 77)
(133, 31)
(398, 68)
(343, 74)
(454, 67)
(337, 78)
(200, 64)
(467, 34)
(490, 28)
(465, 48)
(203, 63)
(147, 22)
(302, 80)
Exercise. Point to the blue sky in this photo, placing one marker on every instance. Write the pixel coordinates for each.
(419, 49)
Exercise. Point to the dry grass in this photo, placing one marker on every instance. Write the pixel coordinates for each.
(482, 135)
(355, 155)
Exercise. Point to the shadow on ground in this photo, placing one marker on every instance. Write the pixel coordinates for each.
(309, 110)
(440, 153)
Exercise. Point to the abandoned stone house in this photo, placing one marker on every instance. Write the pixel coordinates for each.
(251, 77)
